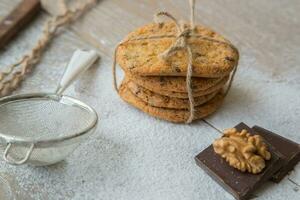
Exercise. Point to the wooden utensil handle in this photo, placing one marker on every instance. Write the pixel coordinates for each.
(17, 19)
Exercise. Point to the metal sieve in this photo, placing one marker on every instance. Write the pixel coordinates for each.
(42, 129)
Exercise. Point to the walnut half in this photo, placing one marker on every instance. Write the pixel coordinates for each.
(243, 151)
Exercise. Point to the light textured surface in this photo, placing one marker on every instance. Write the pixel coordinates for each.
(134, 156)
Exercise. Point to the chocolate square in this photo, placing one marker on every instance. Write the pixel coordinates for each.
(240, 184)
(289, 149)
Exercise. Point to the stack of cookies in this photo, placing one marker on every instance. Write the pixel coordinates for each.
(158, 87)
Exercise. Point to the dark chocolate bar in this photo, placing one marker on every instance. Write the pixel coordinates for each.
(289, 149)
(240, 184)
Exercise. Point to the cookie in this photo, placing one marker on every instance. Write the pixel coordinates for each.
(173, 84)
(184, 95)
(172, 115)
(161, 101)
(142, 57)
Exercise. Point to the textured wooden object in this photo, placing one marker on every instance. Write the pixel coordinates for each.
(18, 19)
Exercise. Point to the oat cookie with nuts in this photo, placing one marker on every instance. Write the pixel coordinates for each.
(184, 95)
(157, 100)
(243, 151)
(174, 83)
(142, 57)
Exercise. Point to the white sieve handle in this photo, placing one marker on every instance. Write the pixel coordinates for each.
(80, 62)
(12, 160)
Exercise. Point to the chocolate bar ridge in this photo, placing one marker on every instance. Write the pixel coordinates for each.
(289, 149)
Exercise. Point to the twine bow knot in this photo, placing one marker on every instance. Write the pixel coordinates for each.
(181, 44)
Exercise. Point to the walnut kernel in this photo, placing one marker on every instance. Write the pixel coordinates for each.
(242, 151)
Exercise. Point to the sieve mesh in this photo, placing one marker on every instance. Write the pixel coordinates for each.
(42, 119)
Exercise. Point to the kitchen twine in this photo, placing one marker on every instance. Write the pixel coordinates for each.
(10, 79)
(180, 44)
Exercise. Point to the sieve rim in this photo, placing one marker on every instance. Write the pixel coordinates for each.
(62, 99)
